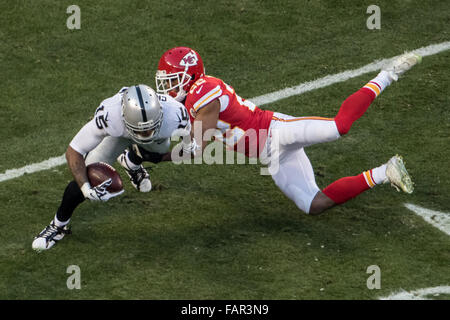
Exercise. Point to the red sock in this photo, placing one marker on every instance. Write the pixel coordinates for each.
(347, 188)
(353, 108)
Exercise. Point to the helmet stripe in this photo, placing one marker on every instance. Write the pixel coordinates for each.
(141, 102)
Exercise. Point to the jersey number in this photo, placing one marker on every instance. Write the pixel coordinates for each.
(235, 134)
(100, 120)
(184, 118)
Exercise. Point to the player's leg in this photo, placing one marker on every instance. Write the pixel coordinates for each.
(151, 152)
(346, 188)
(58, 228)
(306, 131)
(160, 147)
(294, 175)
(132, 163)
(131, 160)
(352, 109)
(107, 151)
(302, 131)
(343, 190)
(357, 104)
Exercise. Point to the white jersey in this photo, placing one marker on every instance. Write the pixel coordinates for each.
(108, 121)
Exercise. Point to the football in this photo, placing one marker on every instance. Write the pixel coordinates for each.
(99, 171)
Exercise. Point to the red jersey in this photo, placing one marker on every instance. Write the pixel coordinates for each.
(244, 126)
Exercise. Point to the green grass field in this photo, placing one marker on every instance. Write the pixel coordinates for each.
(224, 231)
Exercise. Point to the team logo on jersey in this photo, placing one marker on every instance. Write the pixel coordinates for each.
(189, 60)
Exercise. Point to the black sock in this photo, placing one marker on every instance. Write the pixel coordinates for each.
(154, 157)
(72, 197)
(134, 158)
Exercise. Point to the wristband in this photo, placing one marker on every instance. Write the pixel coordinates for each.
(85, 189)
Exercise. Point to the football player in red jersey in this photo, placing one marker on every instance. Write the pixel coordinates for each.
(280, 138)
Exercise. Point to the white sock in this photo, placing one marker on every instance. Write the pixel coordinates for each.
(60, 223)
(379, 174)
(382, 79)
(379, 83)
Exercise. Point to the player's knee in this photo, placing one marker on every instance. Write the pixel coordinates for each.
(303, 198)
(342, 125)
(320, 203)
(315, 209)
(299, 197)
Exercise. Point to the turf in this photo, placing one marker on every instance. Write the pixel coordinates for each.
(224, 231)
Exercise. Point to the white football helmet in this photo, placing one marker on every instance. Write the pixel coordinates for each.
(141, 113)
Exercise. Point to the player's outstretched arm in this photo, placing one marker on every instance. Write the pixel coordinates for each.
(207, 118)
(77, 166)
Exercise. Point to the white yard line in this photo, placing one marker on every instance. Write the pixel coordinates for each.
(438, 219)
(260, 100)
(341, 77)
(31, 168)
(420, 294)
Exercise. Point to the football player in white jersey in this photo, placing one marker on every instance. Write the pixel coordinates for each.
(135, 117)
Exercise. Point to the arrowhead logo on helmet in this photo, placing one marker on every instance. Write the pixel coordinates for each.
(189, 60)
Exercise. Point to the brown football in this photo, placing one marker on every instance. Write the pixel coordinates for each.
(99, 171)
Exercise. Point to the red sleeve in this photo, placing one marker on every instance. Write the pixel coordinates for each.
(204, 91)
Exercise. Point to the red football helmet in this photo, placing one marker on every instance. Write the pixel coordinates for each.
(178, 69)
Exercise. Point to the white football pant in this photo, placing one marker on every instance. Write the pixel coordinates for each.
(111, 147)
(289, 166)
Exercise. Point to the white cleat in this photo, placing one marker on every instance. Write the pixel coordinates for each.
(48, 237)
(398, 176)
(400, 65)
(140, 179)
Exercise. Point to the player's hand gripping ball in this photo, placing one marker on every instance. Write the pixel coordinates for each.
(98, 172)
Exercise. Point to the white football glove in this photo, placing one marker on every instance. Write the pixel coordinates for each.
(190, 147)
(99, 193)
